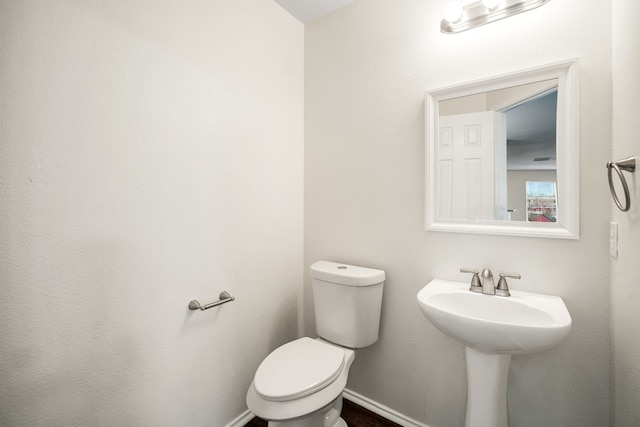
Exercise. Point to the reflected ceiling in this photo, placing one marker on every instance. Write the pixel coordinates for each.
(531, 134)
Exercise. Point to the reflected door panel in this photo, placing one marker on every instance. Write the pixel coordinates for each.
(466, 158)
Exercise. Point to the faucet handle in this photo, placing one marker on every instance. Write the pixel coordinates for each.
(476, 286)
(503, 289)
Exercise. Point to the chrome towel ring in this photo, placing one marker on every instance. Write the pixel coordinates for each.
(629, 165)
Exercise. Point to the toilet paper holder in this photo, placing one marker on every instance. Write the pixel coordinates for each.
(225, 297)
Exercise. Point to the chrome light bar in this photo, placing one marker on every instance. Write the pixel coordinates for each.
(476, 14)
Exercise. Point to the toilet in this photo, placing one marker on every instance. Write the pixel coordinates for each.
(300, 383)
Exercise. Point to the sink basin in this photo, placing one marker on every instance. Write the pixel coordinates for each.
(525, 322)
(493, 328)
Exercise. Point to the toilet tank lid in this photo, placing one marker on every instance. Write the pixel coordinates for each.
(345, 274)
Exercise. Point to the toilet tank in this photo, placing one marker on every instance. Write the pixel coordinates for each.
(347, 301)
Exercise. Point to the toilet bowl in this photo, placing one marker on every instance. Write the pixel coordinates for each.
(300, 383)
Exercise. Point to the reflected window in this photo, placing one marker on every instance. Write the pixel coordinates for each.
(541, 201)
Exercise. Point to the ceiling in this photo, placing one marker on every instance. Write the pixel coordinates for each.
(309, 10)
(531, 134)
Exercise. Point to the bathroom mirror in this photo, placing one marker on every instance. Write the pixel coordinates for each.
(502, 154)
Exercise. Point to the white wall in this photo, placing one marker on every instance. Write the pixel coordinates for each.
(367, 68)
(625, 270)
(151, 153)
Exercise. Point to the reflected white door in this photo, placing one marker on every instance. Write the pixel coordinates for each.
(466, 166)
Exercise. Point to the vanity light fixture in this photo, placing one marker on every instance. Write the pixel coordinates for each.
(453, 11)
(459, 17)
(491, 5)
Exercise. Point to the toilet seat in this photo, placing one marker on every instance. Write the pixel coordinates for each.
(298, 368)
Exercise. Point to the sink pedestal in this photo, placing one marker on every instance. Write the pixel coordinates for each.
(523, 323)
(486, 389)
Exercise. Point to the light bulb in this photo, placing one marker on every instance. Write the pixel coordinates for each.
(491, 4)
(453, 11)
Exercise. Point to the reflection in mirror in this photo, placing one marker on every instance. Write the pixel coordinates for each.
(514, 136)
(502, 154)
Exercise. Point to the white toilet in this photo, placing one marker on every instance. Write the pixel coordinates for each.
(300, 384)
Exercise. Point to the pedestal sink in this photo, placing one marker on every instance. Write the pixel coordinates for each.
(493, 328)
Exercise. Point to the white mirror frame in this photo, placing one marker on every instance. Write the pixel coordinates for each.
(567, 149)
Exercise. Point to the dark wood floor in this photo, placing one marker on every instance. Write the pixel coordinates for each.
(354, 415)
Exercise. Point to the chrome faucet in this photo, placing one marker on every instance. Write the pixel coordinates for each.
(488, 288)
(487, 285)
(476, 286)
(502, 289)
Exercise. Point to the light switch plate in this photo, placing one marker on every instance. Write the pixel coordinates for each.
(613, 239)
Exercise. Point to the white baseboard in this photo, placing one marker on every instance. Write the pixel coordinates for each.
(381, 410)
(241, 420)
(356, 398)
